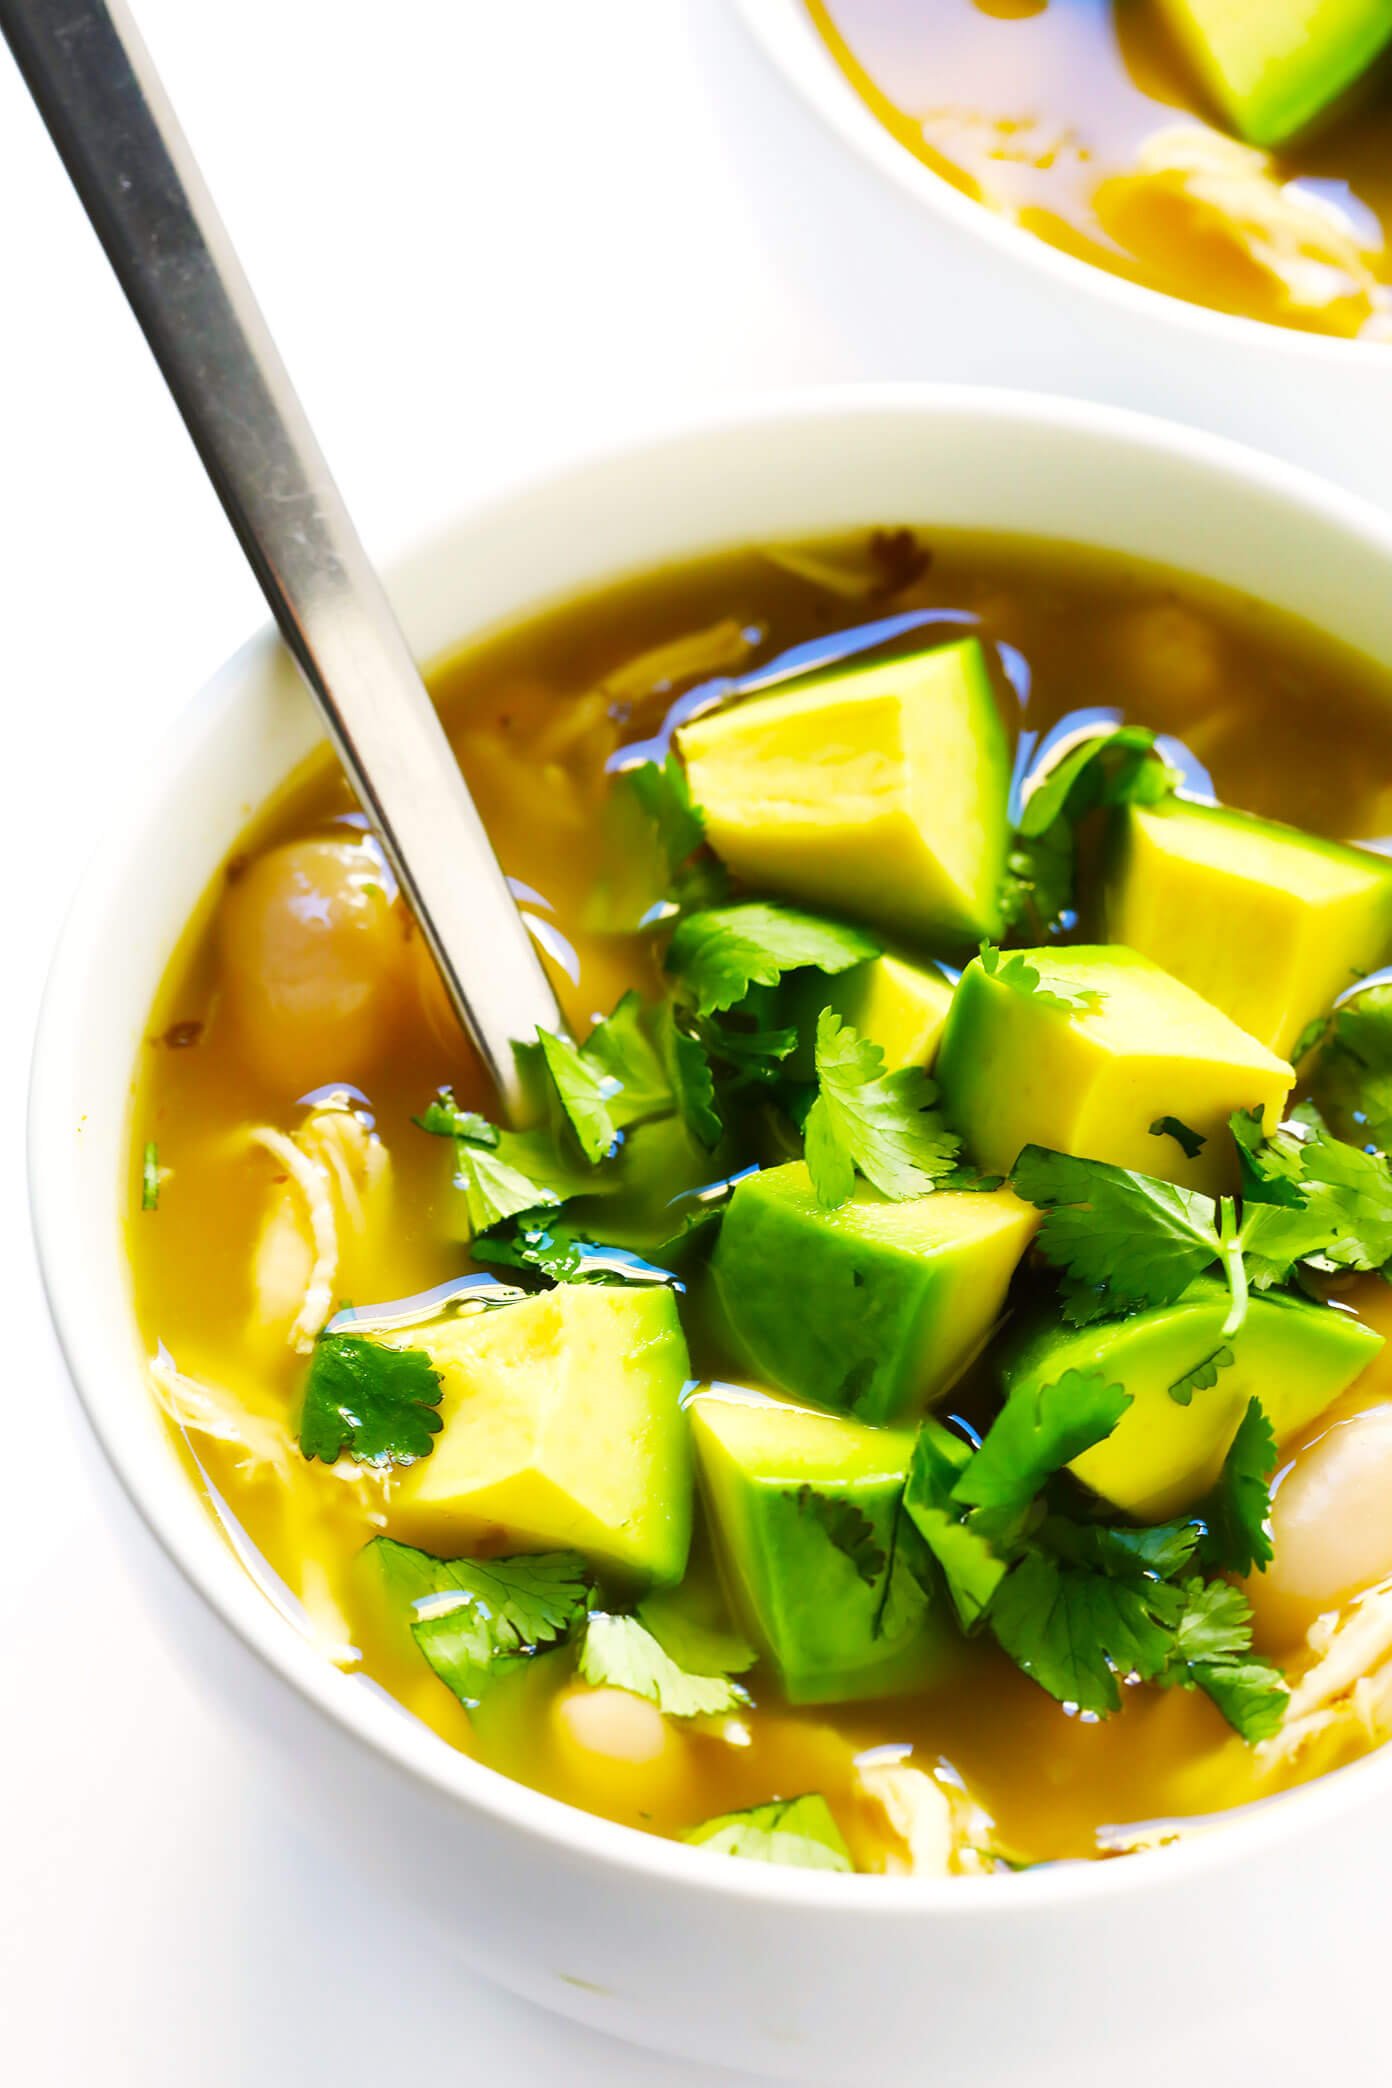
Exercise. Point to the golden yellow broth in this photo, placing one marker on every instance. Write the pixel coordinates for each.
(1045, 110)
(1287, 726)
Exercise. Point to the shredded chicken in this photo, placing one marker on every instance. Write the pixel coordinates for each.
(338, 1177)
(211, 1410)
(935, 1828)
(1346, 1690)
(719, 649)
(1309, 252)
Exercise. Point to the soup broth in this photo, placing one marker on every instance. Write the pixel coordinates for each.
(1080, 121)
(1273, 719)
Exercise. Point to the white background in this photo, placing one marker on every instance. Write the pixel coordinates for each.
(486, 232)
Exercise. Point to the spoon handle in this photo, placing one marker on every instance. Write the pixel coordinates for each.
(108, 115)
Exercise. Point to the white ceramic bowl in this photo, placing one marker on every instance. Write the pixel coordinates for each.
(807, 1975)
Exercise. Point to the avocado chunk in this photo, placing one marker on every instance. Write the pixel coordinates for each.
(874, 1308)
(1269, 924)
(1274, 66)
(1163, 1456)
(879, 792)
(899, 1005)
(816, 1559)
(563, 1430)
(1016, 1069)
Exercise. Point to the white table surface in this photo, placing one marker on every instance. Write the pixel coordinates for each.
(486, 232)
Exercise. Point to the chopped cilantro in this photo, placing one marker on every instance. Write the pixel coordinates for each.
(689, 1076)
(1036, 1433)
(581, 1090)
(1049, 989)
(664, 793)
(478, 1619)
(375, 1401)
(523, 1172)
(1115, 768)
(150, 1178)
(717, 955)
(848, 1528)
(1123, 1241)
(1074, 1630)
(1190, 1143)
(863, 1118)
(635, 1082)
(1353, 1077)
(1237, 1511)
(687, 1622)
(621, 1653)
(1213, 1652)
(970, 1563)
(798, 1831)
(443, 1118)
(1201, 1376)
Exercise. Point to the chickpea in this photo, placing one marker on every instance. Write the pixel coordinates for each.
(1331, 1525)
(313, 961)
(618, 1749)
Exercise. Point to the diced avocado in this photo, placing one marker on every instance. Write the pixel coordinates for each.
(1273, 66)
(1015, 1070)
(804, 1509)
(879, 792)
(1293, 1356)
(649, 1194)
(563, 1429)
(1269, 924)
(898, 1005)
(874, 1308)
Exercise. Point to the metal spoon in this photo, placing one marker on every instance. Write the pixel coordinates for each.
(108, 115)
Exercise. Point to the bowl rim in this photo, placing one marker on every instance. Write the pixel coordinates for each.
(375, 1723)
(785, 32)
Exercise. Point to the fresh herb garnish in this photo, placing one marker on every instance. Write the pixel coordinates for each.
(798, 1831)
(1190, 1143)
(621, 1653)
(150, 1178)
(882, 1124)
(443, 1118)
(716, 956)
(1115, 768)
(1238, 1510)
(374, 1401)
(1022, 973)
(476, 1620)
(1353, 1076)
(582, 1090)
(1203, 1375)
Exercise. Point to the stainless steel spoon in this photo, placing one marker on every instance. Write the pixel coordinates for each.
(108, 115)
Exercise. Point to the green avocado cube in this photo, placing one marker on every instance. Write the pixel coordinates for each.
(877, 791)
(1267, 923)
(1274, 66)
(874, 1308)
(563, 1430)
(1165, 1454)
(823, 1573)
(1016, 1068)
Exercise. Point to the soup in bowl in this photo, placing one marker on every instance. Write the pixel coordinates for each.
(1230, 156)
(905, 1419)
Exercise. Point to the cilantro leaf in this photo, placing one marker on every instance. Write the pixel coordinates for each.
(1028, 972)
(1213, 1652)
(797, 1831)
(1190, 1143)
(1037, 1432)
(524, 1171)
(1115, 768)
(443, 1118)
(848, 1528)
(1349, 1188)
(1353, 1077)
(375, 1401)
(689, 1076)
(620, 1653)
(634, 1081)
(1203, 1375)
(717, 955)
(664, 793)
(478, 1619)
(1271, 1167)
(580, 1088)
(1238, 1510)
(881, 1123)
(1122, 1240)
(970, 1563)
(150, 1177)
(688, 1623)
(1074, 1630)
